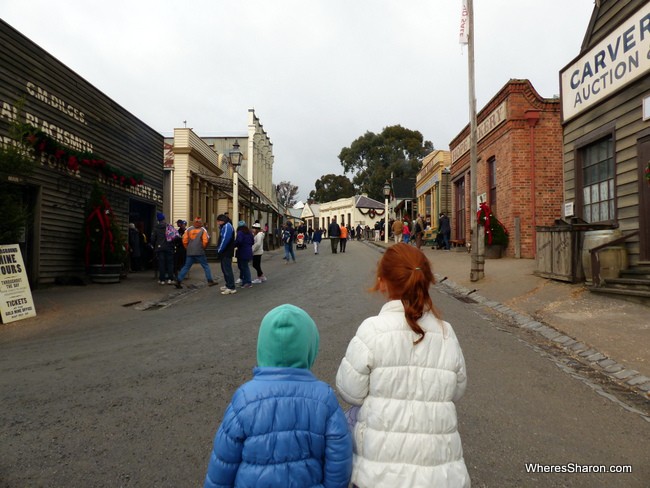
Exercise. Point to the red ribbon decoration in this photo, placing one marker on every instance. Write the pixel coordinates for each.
(484, 214)
(102, 214)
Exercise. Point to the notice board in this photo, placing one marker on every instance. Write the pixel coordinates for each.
(15, 295)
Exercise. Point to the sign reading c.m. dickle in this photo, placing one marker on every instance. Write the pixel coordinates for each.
(15, 296)
(618, 59)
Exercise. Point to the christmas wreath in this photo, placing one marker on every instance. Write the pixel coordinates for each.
(372, 212)
(647, 173)
(495, 231)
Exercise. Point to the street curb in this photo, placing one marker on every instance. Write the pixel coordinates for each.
(628, 378)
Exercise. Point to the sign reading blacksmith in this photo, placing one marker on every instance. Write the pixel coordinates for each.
(15, 295)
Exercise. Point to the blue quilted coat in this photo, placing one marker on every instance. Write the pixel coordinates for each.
(283, 429)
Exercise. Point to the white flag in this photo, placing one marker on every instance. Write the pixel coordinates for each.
(464, 24)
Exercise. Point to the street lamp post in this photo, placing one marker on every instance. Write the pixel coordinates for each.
(386, 195)
(235, 161)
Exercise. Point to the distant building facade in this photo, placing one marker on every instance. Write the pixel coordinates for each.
(519, 166)
(310, 215)
(433, 187)
(357, 210)
(402, 199)
(199, 179)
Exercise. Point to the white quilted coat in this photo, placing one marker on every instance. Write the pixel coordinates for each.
(406, 434)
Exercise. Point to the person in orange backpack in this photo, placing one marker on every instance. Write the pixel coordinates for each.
(195, 240)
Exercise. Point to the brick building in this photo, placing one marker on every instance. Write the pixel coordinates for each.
(519, 148)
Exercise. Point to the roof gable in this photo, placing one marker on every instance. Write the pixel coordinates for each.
(366, 202)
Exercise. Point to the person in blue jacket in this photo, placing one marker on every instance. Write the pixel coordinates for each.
(284, 428)
(225, 252)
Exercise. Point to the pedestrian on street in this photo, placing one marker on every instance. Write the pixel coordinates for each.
(334, 232)
(343, 238)
(244, 245)
(179, 249)
(445, 230)
(406, 232)
(284, 427)
(318, 237)
(225, 252)
(403, 369)
(377, 230)
(195, 240)
(418, 231)
(258, 251)
(398, 229)
(287, 240)
(162, 240)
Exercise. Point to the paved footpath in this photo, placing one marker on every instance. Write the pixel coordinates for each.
(610, 333)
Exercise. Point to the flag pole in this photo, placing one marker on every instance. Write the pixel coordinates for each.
(478, 259)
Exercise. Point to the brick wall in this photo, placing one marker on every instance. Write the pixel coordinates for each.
(525, 160)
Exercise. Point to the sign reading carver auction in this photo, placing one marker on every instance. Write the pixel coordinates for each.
(620, 58)
(15, 295)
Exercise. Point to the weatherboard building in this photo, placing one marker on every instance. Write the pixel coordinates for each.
(78, 137)
(605, 95)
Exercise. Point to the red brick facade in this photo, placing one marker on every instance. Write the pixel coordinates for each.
(523, 138)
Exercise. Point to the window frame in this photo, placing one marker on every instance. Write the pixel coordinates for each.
(461, 206)
(492, 183)
(607, 132)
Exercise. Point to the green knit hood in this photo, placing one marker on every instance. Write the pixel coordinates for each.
(288, 338)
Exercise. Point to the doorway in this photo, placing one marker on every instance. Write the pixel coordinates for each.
(29, 235)
(644, 199)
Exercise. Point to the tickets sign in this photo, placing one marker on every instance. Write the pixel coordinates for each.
(15, 295)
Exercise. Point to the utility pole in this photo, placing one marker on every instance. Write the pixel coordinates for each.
(478, 258)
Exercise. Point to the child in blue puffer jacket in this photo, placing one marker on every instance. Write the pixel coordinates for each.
(284, 428)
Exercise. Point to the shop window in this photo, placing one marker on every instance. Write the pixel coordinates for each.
(492, 183)
(597, 175)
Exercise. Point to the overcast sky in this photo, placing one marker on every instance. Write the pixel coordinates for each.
(319, 73)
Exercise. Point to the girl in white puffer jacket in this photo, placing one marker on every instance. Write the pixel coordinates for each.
(405, 369)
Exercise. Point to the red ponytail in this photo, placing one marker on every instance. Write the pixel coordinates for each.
(407, 275)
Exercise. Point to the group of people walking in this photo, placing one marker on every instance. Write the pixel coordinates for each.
(401, 375)
(413, 231)
(189, 245)
(338, 236)
(177, 250)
